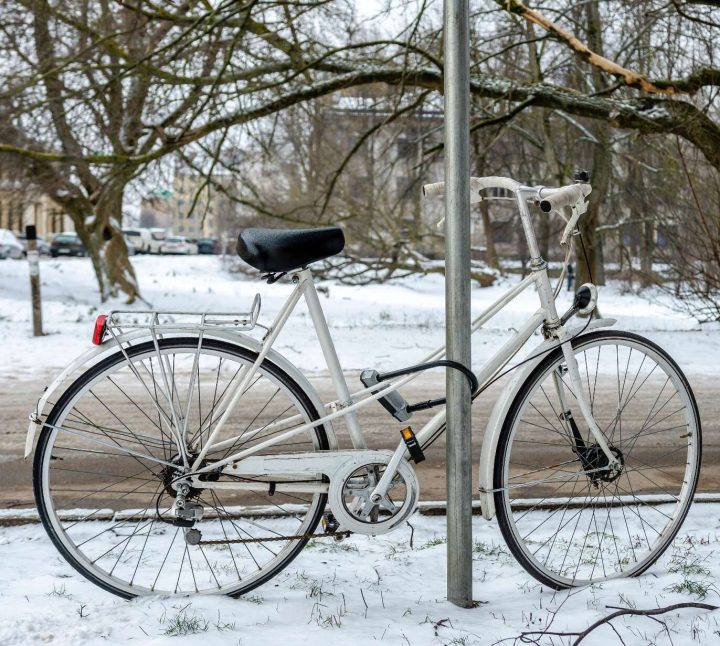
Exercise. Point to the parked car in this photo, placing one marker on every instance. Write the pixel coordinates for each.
(9, 245)
(157, 236)
(43, 246)
(67, 244)
(208, 245)
(131, 249)
(178, 245)
(141, 239)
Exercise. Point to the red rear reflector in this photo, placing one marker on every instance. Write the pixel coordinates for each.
(100, 328)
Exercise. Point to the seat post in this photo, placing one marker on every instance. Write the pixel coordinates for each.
(331, 359)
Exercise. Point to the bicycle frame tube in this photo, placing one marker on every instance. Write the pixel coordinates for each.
(330, 355)
(347, 404)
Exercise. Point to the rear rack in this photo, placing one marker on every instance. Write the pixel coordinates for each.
(121, 321)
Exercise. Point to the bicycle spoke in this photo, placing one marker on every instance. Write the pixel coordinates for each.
(602, 522)
(113, 466)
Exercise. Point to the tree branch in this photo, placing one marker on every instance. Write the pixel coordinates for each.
(534, 635)
(703, 77)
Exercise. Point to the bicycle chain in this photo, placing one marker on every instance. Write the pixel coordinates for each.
(343, 534)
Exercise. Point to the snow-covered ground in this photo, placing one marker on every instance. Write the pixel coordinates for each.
(364, 591)
(382, 326)
(361, 590)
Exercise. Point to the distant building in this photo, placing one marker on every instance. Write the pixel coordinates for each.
(192, 209)
(195, 207)
(156, 210)
(21, 206)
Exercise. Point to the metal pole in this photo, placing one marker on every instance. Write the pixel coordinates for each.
(34, 262)
(457, 301)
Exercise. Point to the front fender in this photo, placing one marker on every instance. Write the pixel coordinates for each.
(96, 353)
(502, 406)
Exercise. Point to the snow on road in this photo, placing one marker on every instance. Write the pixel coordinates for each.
(363, 591)
(381, 326)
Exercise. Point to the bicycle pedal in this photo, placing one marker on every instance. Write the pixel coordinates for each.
(330, 524)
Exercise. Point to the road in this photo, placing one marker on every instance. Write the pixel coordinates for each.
(18, 397)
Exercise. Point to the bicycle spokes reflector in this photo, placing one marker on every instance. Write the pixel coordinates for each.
(100, 329)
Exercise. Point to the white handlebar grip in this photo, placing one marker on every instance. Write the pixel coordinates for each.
(434, 190)
(566, 196)
(477, 184)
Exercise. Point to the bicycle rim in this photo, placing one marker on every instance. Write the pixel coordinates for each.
(567, 519)
(107, 510)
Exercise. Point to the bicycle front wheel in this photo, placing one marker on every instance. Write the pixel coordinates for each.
(110, 453)
(569, 520)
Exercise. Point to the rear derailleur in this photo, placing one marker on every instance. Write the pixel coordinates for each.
(187, 513)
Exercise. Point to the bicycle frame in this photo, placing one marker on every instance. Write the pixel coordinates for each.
(347, 404)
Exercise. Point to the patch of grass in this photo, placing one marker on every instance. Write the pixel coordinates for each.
(329, 620)
(433, 542)
(688, 567)
(331, 547)
(316, 589)
(255, 598)
(393, 551)
(221, 625)
(184, 623)
(699, 589)
(59, 591)
(489, 549)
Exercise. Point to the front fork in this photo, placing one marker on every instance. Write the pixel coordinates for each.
(573, 373)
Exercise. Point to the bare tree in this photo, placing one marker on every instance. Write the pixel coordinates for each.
(95, 93)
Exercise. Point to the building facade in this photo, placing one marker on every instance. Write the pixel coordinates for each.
(191, 209)
(20, 206)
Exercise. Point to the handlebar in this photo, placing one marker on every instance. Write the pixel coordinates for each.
(549, 199)
(477, 185)
(555, 199)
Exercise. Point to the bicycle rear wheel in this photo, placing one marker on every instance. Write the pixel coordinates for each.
(109, 454)
(566, 518)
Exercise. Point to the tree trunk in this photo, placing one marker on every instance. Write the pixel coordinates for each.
(540, 115)
(109, 237)
(591, 239)
(647, 250)
(491, 257)
(592, 268)
(490, 253)
(102, 235)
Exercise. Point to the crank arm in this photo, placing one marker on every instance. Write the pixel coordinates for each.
(381, 489)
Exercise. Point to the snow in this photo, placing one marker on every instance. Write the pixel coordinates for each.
(380, 326)
(362, 591)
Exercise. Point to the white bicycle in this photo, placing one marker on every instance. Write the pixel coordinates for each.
(186, 456)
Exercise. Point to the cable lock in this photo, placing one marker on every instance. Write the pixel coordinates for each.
(395, 403)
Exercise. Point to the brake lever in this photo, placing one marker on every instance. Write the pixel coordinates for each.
(578, 209)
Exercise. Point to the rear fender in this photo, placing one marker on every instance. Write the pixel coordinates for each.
(97, 353)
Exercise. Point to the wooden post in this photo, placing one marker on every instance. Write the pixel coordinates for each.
(33, 257)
